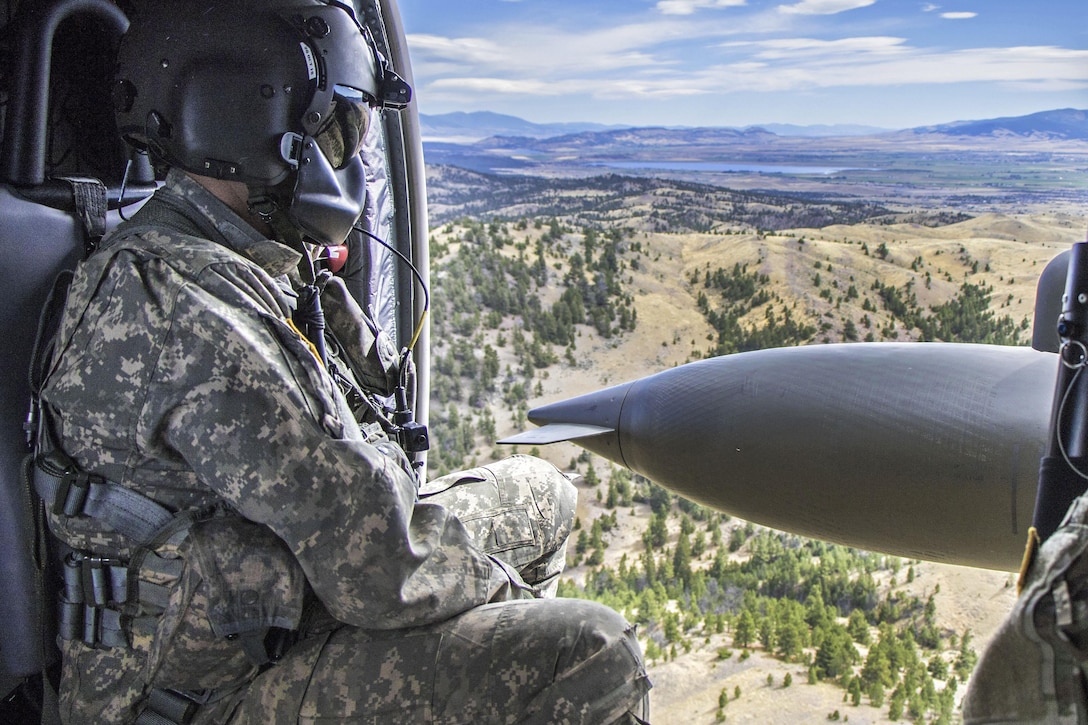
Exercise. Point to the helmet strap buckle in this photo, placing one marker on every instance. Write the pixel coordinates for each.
(291, 148)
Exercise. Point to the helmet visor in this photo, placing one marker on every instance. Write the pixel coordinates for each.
(344, 132)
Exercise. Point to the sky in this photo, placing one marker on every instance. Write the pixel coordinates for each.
(886, 63)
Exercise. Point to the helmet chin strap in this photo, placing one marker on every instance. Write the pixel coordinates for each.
(307, 318)
(264, 205)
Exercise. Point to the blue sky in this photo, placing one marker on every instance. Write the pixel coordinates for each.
(888, 63)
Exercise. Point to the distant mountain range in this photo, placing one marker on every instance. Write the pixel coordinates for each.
(461, 127)
(1066, 123)
(470, 128)
(494, 143)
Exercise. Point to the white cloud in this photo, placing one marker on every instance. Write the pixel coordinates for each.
(824, 7)
(460, 50)
(796, 48)
(563, 51)
(688, 7)
(501, 86)
(667, 57)
(958, 16)
(536, 52)
(802, 64)
(930, 7)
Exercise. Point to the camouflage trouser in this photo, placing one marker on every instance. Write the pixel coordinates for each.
(520, 510)
(524, 661)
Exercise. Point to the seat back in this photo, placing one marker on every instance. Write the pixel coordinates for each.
(38, 243)
(59, 123)
(1048, 303)
(59, 50)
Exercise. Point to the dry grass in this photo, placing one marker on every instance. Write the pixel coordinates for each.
(671, 331)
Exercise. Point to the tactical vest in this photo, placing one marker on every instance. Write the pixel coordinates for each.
(207, 597)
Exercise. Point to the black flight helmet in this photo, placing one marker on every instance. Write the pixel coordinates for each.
(274, 94)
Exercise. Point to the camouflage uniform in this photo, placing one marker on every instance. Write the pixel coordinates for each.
(1034, 668)
(178, 375)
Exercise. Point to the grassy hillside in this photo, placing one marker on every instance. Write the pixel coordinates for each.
(532, 308)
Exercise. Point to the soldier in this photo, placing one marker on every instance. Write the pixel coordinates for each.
(247, 545)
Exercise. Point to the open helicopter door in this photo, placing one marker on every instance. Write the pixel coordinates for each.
(56, 125)
(396, 213)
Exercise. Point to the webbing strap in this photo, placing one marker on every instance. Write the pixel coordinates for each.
(97, 582)
(69, 491)
(171, 707)
(100, 626)
(89, 197)
(94, 626)
(93, 580)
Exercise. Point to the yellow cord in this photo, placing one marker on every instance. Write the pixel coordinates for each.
(419, 329)
(1030, 548)
(309, 345)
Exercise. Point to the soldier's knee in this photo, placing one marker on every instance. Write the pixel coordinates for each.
(599, 674)
(552, 489)
(606, 636)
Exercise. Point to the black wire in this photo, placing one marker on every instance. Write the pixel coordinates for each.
(412, 267)
(1061, 413)
(121, 198)
(406, 353)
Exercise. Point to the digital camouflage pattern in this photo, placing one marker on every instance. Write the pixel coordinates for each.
(178, 375)
(484, 666)
(534, 518)
(1032, 671)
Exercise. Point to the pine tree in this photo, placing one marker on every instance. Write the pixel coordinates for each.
(855, 691)
(858, 627)
(657, 532)
(836, 654)
(681, 561)
(876, 695)
(745, 631)
(896, 704)
(790, 639)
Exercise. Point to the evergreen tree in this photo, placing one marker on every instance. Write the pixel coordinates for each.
(790, 639)
(858, 627)
(877, 669)
(854, 690)
(745, 630)
(836, 654)
(766, 633)
(896, 704)
(681, 561)
(657, 532)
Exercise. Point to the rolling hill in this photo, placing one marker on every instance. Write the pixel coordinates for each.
(1009, 165)
(663, 240)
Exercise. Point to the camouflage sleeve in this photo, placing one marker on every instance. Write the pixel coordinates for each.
(269, 431)
(239, 397)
